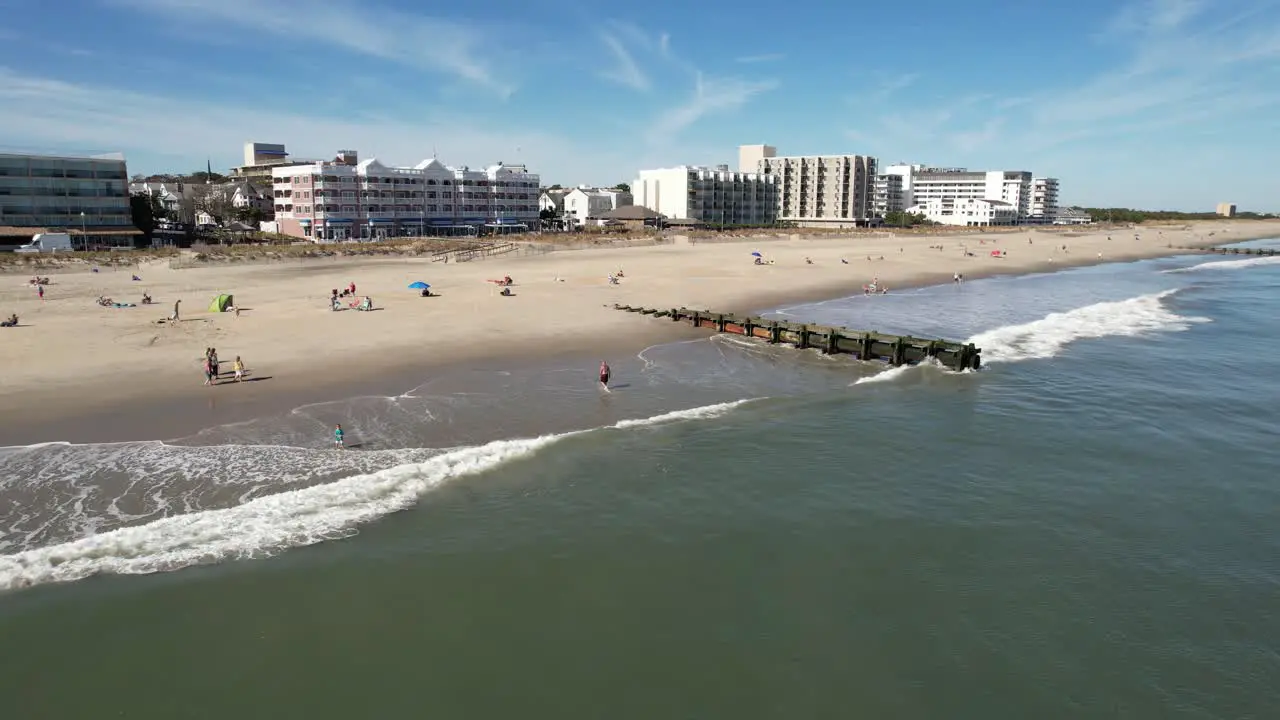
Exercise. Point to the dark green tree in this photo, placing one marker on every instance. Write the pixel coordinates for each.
(147, 212)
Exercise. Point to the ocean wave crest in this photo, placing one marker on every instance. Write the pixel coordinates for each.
(267, 525)
(1046, 337)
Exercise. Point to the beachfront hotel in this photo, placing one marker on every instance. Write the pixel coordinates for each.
(1035, 199)
(817, 190)
(708, 195)
(85, 197)
(347, 199)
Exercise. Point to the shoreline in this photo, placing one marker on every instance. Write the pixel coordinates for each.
(125, 404)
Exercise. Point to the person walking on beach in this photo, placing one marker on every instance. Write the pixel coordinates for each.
(337, 436)
(604, 374)
(208, 372)
(239, 368)
(176, 303)
(213, 362)
(40, 291)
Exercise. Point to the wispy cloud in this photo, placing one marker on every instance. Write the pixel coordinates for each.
(895, 83)
(446, 46)
(710, 96)
(1180, 67)
(61, 116)
(636, 54)
(767, 57)
(626, 71)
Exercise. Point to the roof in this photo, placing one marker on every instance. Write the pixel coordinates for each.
(630, 212)
(15, 231)
(431, 164)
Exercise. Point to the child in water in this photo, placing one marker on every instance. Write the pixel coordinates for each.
(604, 374)
(337, 436)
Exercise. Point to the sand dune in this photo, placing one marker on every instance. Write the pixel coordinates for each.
(70, 352)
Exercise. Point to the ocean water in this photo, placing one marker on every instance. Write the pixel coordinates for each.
(1085, 528)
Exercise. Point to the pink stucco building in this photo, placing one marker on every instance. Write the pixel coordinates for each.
(349, 199)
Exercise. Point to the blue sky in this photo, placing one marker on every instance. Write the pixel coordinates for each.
(1155, 104)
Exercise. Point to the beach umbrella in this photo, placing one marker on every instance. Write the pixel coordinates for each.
(418, 286)
(756, 254)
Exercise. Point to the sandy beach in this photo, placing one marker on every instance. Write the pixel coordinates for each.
(71, 356)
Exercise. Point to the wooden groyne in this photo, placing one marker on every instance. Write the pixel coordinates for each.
(1269, 252)
(864, 345)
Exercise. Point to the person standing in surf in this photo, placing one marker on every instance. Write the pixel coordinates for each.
(337, 436)
(604, 375)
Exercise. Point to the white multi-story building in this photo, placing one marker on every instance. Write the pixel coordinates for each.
(347, 199)
(887, 195)
(711, 195)
(1034, 199)
(966, 212)
(1044, 200)
(816, 190)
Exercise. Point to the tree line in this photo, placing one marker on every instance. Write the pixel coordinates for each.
(1129, 215)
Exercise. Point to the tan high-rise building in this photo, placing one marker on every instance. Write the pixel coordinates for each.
(1226, 209)
(817, 190)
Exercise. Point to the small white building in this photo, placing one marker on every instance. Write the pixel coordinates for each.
(966, 212)
(586, 203)
(553, 200)
(712, 195)
(581, 205)
(1072, 216)
(249, 195)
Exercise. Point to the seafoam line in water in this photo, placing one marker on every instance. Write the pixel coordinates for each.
(1228, 265)
(1046, 337)
(268, 525)
(886, 376)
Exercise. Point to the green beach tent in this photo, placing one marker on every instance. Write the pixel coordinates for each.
(220, 303)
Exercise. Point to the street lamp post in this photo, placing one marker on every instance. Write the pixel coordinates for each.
(84, 238)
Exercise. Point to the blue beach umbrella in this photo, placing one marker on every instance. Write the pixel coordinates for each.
(756, 254)
(418, 286)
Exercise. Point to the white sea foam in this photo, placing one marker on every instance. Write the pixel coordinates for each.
(886, 376)
(1230, 264)
(269, 524)
(1044, 338)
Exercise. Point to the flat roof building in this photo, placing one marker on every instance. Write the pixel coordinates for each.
(710, 195)
(817, 190)
(86, 197)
